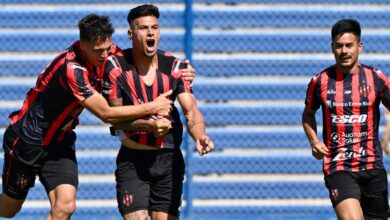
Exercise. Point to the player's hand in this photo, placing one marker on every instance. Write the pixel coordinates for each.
(204, 145)
(319, 150)
(188, 73)
(161, 126)
(163, 105)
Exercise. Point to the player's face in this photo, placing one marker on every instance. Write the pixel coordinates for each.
(346, 49)
(145, 33)
(95, 53)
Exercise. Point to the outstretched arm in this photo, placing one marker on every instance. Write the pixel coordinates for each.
(318, 148)
(195, 123)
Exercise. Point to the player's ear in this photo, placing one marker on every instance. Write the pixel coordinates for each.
(130, 33)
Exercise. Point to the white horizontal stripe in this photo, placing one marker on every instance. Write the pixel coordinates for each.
(196, 202)
(259, 178)
(262, 202)
(296, 7)
(97, 8)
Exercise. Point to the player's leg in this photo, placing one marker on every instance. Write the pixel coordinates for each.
(349, 209)
(9, 206)
(374, 194)
(62, 201)
(132, 183)
(166, 192)
(344, 192)
(17, 178)
(59, 176)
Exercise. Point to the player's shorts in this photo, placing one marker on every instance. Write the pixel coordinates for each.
(56, 165)
(369, 187)
(149, 180)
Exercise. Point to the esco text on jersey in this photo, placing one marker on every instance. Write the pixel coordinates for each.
(348, 119)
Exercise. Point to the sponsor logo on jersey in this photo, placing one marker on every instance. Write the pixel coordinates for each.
(331, 104)
(348, 138)
(346, 154)
(349, 119)
(347, 92)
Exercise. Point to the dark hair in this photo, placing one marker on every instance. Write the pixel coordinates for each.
(346, 26)
(95, 28)
(142, 11)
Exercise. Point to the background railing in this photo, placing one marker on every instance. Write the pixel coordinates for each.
(254, 59)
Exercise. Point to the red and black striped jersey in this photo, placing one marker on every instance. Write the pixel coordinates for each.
(122, 80)
(52, 107)
(350, 111)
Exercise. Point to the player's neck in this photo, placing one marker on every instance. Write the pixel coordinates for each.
(145, 65)
(348, 70)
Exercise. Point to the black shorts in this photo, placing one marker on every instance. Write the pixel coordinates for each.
(369, 187)
(55, 166)
(149, 180)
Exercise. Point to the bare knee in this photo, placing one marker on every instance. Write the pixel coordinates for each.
(65, 208)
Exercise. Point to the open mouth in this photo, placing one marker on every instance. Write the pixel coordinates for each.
(150, 42)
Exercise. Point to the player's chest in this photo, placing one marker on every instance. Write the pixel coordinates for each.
(349, 94)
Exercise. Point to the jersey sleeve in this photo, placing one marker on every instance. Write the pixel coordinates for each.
(112, 71)
(77, 77)
(384, 88)
(182, 85)
(313, 99)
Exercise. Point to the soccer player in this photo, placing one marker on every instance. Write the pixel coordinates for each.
(349, 93)
(40, 138)
(150, 165)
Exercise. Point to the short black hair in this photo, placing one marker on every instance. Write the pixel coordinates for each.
(142, 11)
(346, 26)
(95, 28)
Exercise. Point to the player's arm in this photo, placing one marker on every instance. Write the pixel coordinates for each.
(312, 104)
(158, 126)
(319, 150)
(100, 108)
(386, 134)
(384, 88)
(195, 123)
(188, 73)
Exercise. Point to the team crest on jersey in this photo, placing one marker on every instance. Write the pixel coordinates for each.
(21, 182)
(364, 89)
(127, 199)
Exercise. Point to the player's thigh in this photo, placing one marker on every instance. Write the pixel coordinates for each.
(17, 178)
(166, 191)
(59, 169)
(342, 185)
(157, 215)
(374, 194)
(132, 187)
(349, 209)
